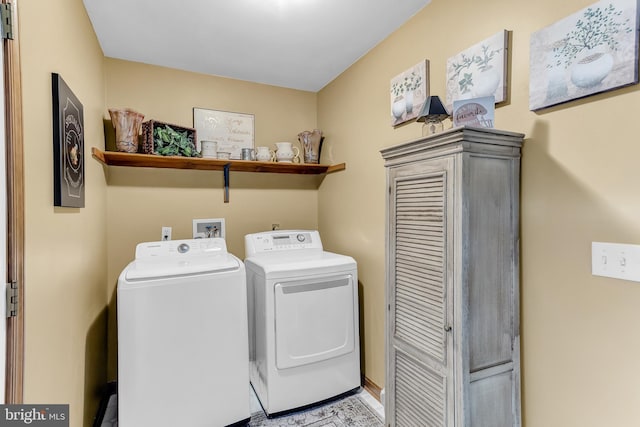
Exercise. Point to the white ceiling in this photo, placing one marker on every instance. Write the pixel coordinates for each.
(300, 44)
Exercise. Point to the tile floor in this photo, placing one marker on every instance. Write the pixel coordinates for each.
(364, 394)
(111, 414)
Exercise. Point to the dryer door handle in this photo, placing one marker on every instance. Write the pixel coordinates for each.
(292, 288)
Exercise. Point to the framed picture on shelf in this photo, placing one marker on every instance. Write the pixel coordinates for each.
(231, 131)
(409, 90)
(475, 112)
(208, 228)
(68, 146)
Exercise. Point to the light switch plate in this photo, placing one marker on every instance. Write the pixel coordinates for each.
(617, 260)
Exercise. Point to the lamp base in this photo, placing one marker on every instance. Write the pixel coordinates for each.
(432, 127)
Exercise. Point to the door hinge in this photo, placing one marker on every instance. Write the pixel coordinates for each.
(12, 299)
(7, 21)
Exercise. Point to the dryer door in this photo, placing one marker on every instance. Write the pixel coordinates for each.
(315, 319)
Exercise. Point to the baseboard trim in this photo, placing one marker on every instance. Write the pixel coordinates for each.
(373, 388)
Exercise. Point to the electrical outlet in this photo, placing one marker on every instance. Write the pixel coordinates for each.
(275, 226)
(166, 233)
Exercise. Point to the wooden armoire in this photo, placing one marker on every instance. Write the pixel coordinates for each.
(453, 322)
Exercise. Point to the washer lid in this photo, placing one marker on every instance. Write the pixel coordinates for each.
(179, 258)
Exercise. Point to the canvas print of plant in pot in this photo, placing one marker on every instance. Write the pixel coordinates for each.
(479, 71)
(409, 90)
(592, 51)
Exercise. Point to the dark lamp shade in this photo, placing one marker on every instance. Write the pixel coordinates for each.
(432, 110)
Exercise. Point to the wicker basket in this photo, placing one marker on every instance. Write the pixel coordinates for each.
(149, 147)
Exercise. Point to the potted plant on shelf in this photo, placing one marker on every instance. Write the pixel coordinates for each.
(170, 142)
(167, 139)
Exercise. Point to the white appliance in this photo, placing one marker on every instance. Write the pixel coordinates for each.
(182, 336)
(303, 320)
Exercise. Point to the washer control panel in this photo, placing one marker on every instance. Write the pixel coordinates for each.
(190, 247)
(281, 240)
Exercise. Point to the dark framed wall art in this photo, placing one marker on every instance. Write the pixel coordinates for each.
(68, 146)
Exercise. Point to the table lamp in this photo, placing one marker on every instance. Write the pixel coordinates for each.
(432, 114)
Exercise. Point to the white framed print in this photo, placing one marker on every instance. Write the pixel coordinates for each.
(479, 71)
(591, 51)
(231, 131)
(208, 228)
(409, 91)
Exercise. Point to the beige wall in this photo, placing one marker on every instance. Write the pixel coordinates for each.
(141, 201)
(65, 248)
(579, 184)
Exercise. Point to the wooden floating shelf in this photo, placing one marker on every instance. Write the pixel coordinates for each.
(113, 158)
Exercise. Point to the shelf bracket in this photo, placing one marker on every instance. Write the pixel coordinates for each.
(226, 182)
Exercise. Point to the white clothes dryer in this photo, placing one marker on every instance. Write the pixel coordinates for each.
(182, 336)
(304, 344)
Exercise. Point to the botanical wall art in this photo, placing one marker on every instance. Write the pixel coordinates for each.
(409, 90)
(591, 51)
(68, 146)
(479, 71)
(232, 131)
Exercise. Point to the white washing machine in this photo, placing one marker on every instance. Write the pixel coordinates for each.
(303, 320)
(182, 336)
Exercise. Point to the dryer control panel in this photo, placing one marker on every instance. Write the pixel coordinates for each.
(281, 240)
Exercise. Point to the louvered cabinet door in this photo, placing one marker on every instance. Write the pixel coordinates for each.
(419, 316)
(452, 325)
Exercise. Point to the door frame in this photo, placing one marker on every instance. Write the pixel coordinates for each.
(14, 384)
